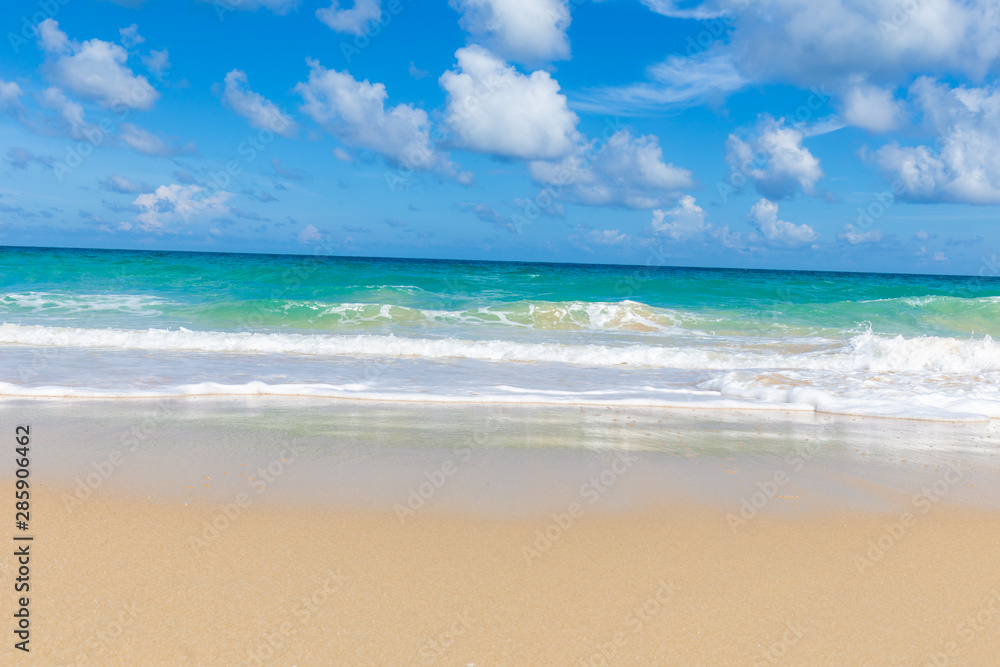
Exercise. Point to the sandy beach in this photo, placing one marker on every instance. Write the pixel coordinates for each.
(612, 560)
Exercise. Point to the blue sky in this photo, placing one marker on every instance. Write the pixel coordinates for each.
(845, 135)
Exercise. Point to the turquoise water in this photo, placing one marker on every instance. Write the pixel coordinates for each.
(164, 322)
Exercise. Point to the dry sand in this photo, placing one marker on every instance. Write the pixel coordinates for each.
(158, 564)
(119, 581)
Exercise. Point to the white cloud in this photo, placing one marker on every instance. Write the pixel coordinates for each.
(309, 234)
(94, 69)
(607, 236)
(625, 171)
(681, 223)
(170, 204)
(495, 109)
(965, 166)
(355, 112)
(855, 237)
(807, 42)
(871, 108)
(131, 36)
(353, 20)
(774, 159)
(922, 235)
(940, 257)
(764, 216)
(70, 112)
(258, 110)
(703, 10)
(143, 140)
(676, 81)
(119, 183)
(9, 94)
(530, 32)
(51, 38)
(729, 239)
(157, 62)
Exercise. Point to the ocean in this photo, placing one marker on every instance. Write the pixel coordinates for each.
(113, 323)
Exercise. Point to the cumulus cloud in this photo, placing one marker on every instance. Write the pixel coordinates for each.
(10, 93)
(625, 171)
(493, 108)
(130, 36)
(258, 110)
(353, 20)
(530, 32)
(855, 237)
(309, 234)
(774, 159)
(806, 42)
(871, 108)
(965, 165)
(94, 70)
(764, 216)
(157, 62)
(606, 236)
(681, 223)
(355, 112)
(70, 113)
(170, 204)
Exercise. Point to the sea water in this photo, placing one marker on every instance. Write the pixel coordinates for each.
(111, 323)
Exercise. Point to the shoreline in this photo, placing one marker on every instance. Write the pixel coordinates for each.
(720, 404)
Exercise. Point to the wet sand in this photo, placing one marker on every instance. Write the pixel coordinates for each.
(208, 543)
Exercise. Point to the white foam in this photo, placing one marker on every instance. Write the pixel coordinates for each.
(863, 352)
(40, 302)
(914, 378)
